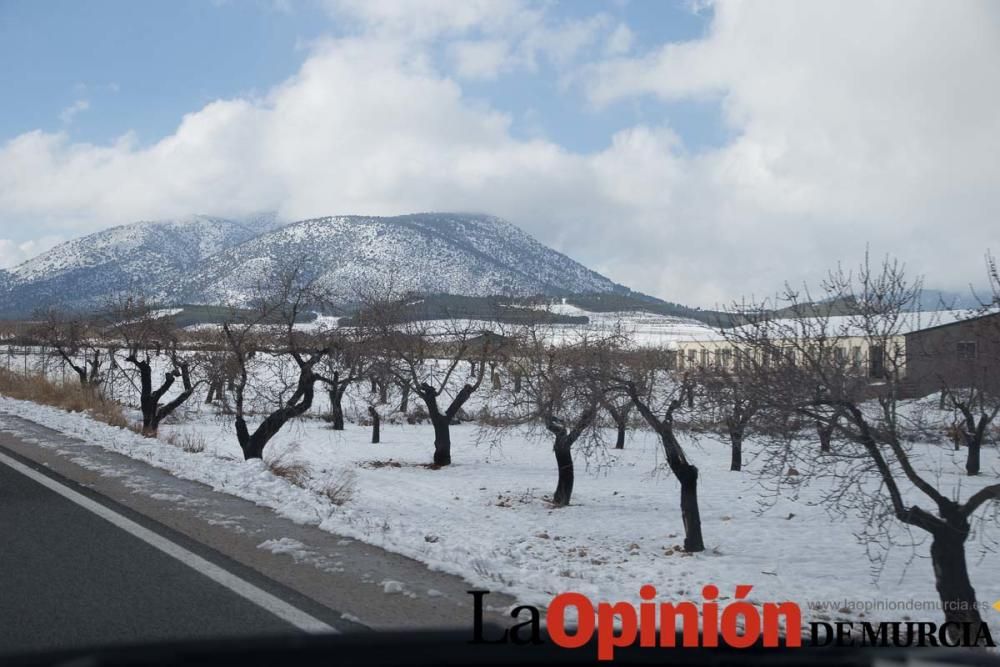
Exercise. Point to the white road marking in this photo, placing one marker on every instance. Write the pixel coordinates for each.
(241, 587)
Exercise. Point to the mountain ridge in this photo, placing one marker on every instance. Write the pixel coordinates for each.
(204, 259)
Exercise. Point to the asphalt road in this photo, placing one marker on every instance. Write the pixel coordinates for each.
(69, 578)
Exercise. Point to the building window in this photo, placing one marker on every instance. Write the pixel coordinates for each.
(704, 358)
(966, 350)
(727, 358)
(839, 355)
(856, 357)
(876, 361)
(691, 358)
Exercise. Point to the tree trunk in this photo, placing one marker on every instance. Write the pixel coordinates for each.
(825, 436)
(300, 402)
(376, 421)
(972, 458)
(951, 576)
(620, 439)
(620, 418)
(974, 434)
(687, 475)
(736, 440)
(404, 399)
(213, 387)
(564, 460)
(337, 408)
(442, 439)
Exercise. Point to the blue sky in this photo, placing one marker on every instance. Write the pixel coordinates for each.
(141, 66)
(697, 150)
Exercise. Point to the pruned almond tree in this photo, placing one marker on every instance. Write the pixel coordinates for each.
(795, 366)
(563, 385)
(73, 337)
(659, 394)
(143, 337)
(261, 342)
(428, 358)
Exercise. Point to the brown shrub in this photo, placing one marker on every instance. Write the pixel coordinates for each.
(69, 396)
(283, 466)
(341, 486)
(189, 442)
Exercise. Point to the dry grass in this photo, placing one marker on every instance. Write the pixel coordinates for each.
(341, 486)
(69, 396)
(286, 468)
(189, 442)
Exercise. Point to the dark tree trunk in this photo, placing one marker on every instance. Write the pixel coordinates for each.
(825, 436)
(376, 421)
(620, 418)
(620, 439)
(972, 458)
(383, 392)
(564, 460)
(825, 431)
(973, 433)
(951, 575)
(95, 369)
(404, 399)
(213, 387)
(161, 412)
(80, 372)
(442, 420)
(149, 399)
(687, 475)
(442, 440)
(736, 442)
(337, 407)
(253, 444)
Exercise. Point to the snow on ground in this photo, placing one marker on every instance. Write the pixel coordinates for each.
(486, 517)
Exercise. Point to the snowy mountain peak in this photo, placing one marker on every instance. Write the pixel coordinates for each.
(213, 260)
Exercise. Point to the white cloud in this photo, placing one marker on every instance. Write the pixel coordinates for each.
(620, 41)
(13, 253)
(851, 123)
(480, 59)
(69, 113)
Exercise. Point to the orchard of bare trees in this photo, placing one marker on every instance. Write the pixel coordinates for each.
(782, 395)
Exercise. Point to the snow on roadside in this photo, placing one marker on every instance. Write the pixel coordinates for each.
(485, 517)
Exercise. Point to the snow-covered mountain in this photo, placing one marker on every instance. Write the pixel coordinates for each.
(151, 255)
(212, 260)
(471, 255)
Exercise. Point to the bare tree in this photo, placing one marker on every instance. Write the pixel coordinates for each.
(345, 364)
(659, 393)
(794, 367)
(729, 404)
(563, 387)
(426, 357)
(977, 408)
(619, 409)
(71, 336)
(143, 337)
(269, 332)
(976, 398)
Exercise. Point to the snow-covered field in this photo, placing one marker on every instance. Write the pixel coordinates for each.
(487, 519)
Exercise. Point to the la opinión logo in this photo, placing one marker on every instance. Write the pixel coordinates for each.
(734, 622)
